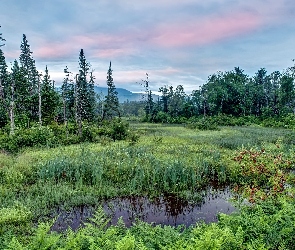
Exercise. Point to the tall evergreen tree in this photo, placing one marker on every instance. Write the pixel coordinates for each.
(28, 66)
(149, 103)
(50, 99)
(91, 99)
(20, 94)
(1, 39)
(3, 86)
(111, 103)
(85, 95)
(68, 98)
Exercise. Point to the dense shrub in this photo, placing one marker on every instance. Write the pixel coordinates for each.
(35, 136)
(54, 134)
(203, 124)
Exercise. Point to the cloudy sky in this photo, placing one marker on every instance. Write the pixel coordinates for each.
(175, 41)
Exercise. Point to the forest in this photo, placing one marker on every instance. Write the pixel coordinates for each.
(82, 171)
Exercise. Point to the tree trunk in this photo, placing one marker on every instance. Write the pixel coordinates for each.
(78, 109)
(40, 102)
(11, 109)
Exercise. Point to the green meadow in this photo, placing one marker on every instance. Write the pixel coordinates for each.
(255, 162)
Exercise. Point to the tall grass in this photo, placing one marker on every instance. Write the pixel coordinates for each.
(132, 170)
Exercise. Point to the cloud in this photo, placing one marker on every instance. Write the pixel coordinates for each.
(206, 31)
(127, 42)
(176, 42)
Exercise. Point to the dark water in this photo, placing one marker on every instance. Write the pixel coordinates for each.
(165, 210)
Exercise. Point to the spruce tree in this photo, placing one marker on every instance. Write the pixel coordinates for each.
(20, 94)
(85, 95)
(149, 103)
(91, 99)
(82, 88)
(3, 72)
(1, 39)
(50, 99)
(27, 64)
(68, 97)
(111, 103)
(3, 87)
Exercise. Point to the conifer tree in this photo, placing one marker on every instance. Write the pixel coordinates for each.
(68, 97)
(50, 99)
(27, 64)
(3, 72)
(21, 94)
(12, 106)
(111, 103)
(3, 86)
(82, 88)
(1, 39)
(149, 104)
(91, 99)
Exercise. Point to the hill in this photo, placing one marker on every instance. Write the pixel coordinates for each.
(124, 95)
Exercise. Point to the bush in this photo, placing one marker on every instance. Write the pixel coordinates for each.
(203, 124)
(35, 136)
(54, 134)
(14, 215)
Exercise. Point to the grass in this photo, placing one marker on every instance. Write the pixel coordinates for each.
(166, 159)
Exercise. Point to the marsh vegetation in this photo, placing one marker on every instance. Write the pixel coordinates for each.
(39, 186)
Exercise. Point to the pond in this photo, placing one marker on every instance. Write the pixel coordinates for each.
(164, 210)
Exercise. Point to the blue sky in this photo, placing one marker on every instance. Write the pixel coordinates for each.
(176, 42)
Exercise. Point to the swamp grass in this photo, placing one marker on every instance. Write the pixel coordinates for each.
(166, 159)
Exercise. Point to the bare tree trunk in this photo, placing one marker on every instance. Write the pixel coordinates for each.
(64, 110)
(65, 115)
(40, 102)
(78, 109)
(11, 109)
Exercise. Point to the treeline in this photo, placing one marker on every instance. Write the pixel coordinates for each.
(28, 98)
(231, 93)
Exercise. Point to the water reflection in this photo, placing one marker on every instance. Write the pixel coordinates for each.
(165, 210)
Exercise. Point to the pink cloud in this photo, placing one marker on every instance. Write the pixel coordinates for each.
(112, 53)
(54, 50)
(194, 31)
(97, 45)
(199, 32)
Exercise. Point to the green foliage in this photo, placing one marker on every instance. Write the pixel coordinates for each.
(85, 97)
(111, 103)
(134, 170)
(203, 124)
(49, 99)
(269, 224)
(16, 215)
(81, 169)
(33, 137)
(54, 135)
(118, 129)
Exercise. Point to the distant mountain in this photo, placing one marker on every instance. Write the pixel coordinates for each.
(124, 95)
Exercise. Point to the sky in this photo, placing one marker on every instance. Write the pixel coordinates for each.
(177, 42)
